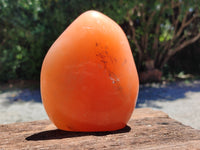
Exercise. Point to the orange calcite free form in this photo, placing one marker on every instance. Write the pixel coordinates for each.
(89, 81)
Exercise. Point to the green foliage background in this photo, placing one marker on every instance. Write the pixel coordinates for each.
(29, 27)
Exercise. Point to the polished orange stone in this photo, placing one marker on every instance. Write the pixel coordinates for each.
(89, 81)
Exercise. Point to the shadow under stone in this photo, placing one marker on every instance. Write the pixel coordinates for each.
(60, 134)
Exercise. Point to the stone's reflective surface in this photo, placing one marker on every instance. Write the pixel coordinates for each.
(89, 81)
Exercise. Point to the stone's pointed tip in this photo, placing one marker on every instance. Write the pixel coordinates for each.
(94, 13)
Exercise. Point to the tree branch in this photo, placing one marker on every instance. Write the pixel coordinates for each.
(170, 49)
(184, 44)
(180, 41)
(146, 29)
(173, 51)
(182, 26)
(150, 18)
(185, 23)
(156, 37)
(189, 21)
(175, 21)
(164, 51)
(131, 23)
(143, 18)
(174, 5)
(157, 30)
